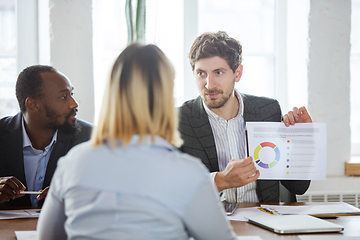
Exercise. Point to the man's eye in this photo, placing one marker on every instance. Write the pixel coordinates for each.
(219, 72)
(201, 73)
(64, 96)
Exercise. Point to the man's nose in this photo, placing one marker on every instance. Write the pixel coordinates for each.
(73, 103)
(209, 82)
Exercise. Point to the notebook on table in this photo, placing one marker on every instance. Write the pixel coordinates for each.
(288, 224)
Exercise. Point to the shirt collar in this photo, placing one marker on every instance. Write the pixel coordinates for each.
(146, 141)
(27, 142)
(215, 117)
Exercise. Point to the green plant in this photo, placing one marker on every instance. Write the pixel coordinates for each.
(136, 32)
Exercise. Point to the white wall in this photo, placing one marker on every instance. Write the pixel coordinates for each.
(191, 28)
(27, 29)
(329, 84)
(71, 49)
(59, 33)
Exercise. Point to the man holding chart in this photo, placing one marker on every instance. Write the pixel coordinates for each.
(213, 125)
(32, 141)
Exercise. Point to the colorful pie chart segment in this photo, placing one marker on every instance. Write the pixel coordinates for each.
(257, 151)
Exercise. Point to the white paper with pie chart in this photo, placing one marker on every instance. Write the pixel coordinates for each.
(296, 153)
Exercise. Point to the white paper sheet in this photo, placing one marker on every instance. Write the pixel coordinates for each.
(23, 213)
(248, 238)
(316, 209)
(26, 235)
(297, 152)
(327, 237)
(239, 214)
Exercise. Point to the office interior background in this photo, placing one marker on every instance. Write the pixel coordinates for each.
(301, 52)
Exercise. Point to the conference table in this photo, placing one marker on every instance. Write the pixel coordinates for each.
(351, 226)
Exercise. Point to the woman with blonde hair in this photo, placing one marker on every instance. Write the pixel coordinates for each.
(130, 181)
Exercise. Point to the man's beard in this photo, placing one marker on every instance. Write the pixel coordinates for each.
(66, 127)
(212, 104)
(218, 104)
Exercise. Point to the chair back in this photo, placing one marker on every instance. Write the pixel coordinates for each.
(286, 195)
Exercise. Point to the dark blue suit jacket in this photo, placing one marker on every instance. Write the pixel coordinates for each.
(198, 137)
(11, 152)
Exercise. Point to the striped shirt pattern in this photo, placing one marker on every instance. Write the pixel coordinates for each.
(230, 144)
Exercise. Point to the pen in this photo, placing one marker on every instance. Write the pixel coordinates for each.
(29, 192)
(247, 144)
(267, 211)
(327, 217)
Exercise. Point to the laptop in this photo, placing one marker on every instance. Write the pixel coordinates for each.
(288, 224)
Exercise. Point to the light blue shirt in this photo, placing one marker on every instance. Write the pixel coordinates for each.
(143, 191)
(35, 163)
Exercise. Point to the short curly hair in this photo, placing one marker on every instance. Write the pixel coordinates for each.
(219, 44)
(29, 83)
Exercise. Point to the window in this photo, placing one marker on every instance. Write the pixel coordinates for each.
(259, 25)
(8, 103)
(253, 24)
(163, 28)
(109, 39)
(355, 76)
(273, 34)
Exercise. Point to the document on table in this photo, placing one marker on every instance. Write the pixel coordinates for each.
(23, 213)
(297, 152)
(240, 213)
(26, 235)
(328, 209)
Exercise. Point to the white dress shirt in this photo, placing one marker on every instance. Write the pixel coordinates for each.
(230, 142)
(35, 163)
(146, 191)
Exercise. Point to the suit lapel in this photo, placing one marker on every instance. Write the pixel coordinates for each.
(202, 128)
(249, 107)
(200, 124)
(60, 149)
(13, 146)
(261, 109)
(267, 188)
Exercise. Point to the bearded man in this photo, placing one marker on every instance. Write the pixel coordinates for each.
(212, 126)
(32, 141)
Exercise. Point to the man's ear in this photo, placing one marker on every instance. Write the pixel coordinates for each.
(32, 104)
(238, 73)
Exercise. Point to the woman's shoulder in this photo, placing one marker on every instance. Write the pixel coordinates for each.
(82, 154)
(78, 150)
(184, 162)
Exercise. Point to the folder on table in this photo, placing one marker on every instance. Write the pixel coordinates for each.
(316, 210)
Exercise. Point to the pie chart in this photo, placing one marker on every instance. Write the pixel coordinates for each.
(265, 145)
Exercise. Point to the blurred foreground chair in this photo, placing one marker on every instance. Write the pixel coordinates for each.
(286, 195)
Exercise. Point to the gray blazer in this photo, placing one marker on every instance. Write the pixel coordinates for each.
(11, 152)
(196, 132)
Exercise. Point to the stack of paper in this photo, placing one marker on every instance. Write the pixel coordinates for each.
(26, 235)
(23, 213)
(328, 209)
